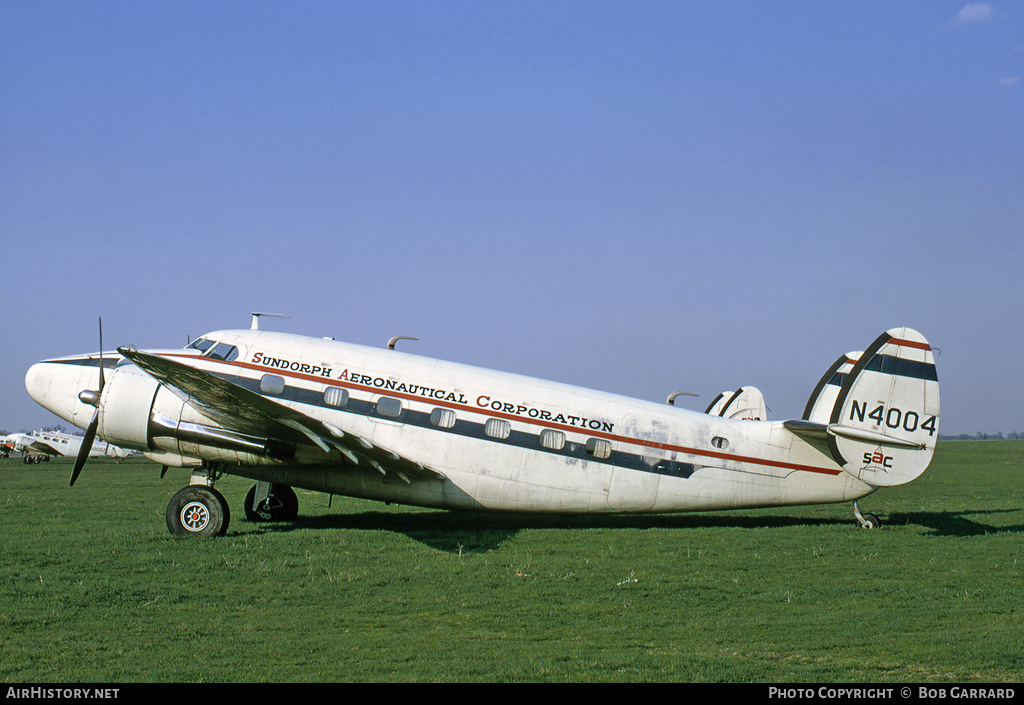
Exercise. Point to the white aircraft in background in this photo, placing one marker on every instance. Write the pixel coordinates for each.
(38, 446)
(293, 411)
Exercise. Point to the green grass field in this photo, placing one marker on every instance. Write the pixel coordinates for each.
(94, 589)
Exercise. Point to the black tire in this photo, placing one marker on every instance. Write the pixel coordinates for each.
(280, 505)
(198, 511)
(871, 521)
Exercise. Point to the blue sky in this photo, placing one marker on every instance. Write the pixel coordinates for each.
(640, 197)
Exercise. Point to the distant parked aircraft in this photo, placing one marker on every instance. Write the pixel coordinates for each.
(38, 446)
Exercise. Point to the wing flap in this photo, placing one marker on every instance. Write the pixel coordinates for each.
(42, 447)
(240, 409)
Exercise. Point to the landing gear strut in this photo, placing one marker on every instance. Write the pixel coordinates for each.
(866, 520)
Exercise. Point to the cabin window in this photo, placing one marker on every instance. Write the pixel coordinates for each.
(336, 397)
(389, 407)
(599, 448)
(442, 418)
(719, 442)
(498, 428)
(552, 440)
(271, 384)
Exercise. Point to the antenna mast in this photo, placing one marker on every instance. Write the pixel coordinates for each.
(256, 319)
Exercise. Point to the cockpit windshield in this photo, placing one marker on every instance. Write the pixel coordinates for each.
(213, 349)
(201, 344)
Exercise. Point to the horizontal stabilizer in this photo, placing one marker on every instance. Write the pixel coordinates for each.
(862, 434)
(822, 432)
(809, 430)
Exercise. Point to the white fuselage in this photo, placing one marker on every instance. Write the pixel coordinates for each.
(501, 441)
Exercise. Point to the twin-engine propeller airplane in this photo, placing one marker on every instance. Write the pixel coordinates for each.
(292, 411)
(38, 446)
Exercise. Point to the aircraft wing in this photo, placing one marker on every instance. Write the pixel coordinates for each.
(240, 409)
(38, 446)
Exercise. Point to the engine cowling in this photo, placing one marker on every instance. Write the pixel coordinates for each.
(141, 413)
(127, 401)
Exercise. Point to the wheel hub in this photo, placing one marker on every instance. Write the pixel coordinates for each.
(195, 516)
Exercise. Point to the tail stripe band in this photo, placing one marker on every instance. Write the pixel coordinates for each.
(887, 364)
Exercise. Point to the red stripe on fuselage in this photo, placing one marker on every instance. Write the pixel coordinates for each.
(528, 421)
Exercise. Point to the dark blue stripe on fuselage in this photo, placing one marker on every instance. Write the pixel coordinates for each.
(107, 362)
(472, 429)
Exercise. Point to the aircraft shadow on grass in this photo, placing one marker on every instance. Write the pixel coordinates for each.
(471, 532)
(956, 523)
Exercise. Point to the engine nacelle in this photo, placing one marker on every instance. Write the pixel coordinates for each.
(125, 406)
(139, 412)
(189, 434)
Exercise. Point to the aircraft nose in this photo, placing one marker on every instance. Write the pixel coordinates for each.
(55, 386)
(37, 383)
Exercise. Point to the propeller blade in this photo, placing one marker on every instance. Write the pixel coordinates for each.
(83, 452)
(90, 432)
(101, 354)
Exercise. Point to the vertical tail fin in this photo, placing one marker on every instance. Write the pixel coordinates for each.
(745, 403)
(823, 398)
(881, 409)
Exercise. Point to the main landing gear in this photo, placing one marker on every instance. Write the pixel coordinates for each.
(267, 502)
(199, 510)
(866, 520)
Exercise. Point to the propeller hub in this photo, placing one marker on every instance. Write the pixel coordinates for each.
(90, 397)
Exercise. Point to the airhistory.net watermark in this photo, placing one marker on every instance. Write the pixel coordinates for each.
(46, 693)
